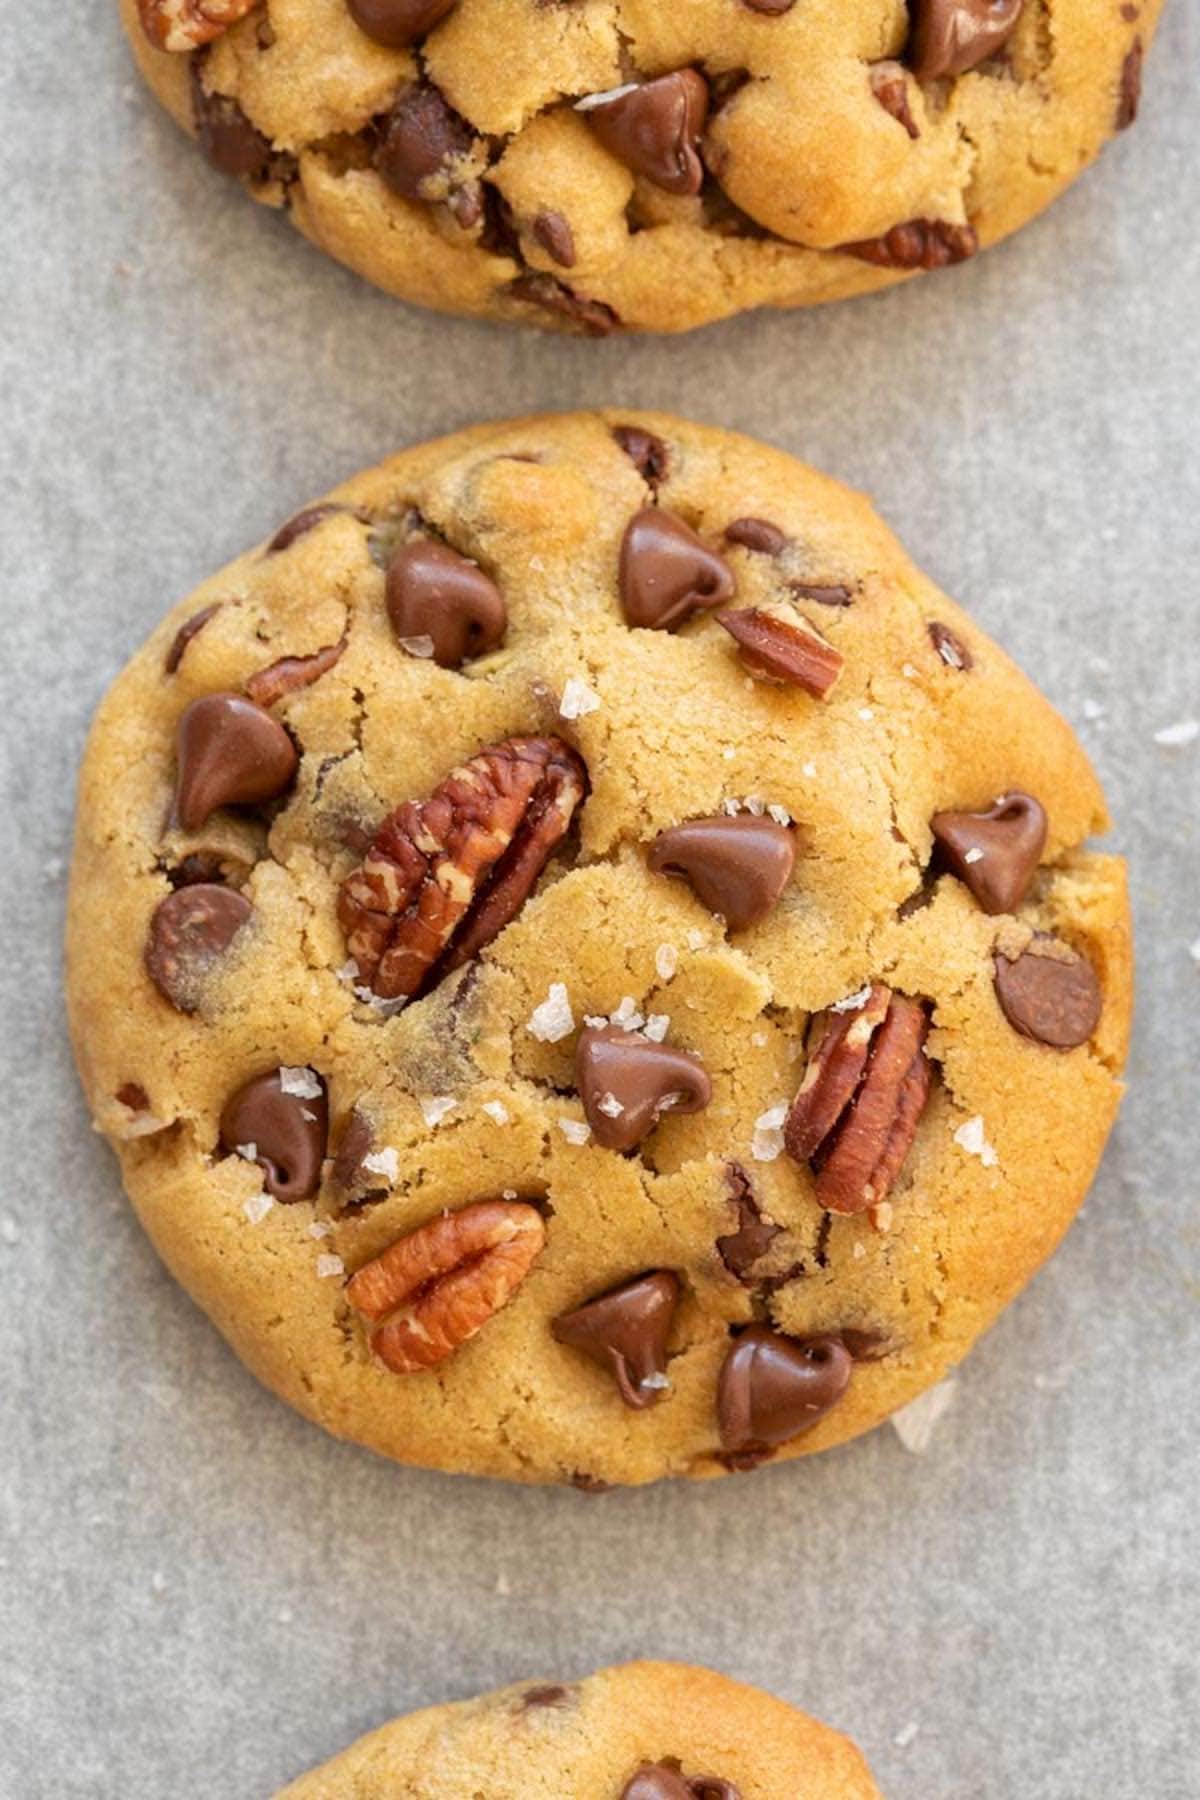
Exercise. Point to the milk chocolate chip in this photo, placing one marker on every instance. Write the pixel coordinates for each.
(951, 36)
(654, 129)
(756, 534)
(190, 931)
(772, 1388)
(228, 139)
(737, 866)
(422, 139)
(553, 232)
(397, 23)
(995, 853)
(434, 592)
(667, 572)
(1049, 993)
(183, 637)
(230, 753)
(284, 1133)
(626, 1331)
(627, 1083)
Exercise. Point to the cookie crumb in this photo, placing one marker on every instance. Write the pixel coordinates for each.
(1174, 737)
(553, 1019)
(971, 1138)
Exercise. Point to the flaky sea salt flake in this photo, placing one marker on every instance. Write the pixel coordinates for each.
(972, 1138)
(434, 1108)
(767, 1142)
(328, 1266)
(610, 1106)
(496, 1111)
(553, 1019)
(302, 1084)
(576, 1131)
(257, 1207)
(385, 1162)
(577, 700)
(780, 814)
(421, 646)
(657, 1026)
(666, 961)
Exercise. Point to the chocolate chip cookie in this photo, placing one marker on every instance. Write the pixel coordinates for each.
(589, 961)
(645, 1731)
(620, 164)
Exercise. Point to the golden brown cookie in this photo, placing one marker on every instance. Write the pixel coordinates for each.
(644, 1731)
(620, 164)
(589, 961)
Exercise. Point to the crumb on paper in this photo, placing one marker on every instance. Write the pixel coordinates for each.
(257, 1207)
(1194, 950)
(1174, 737)
(328, 1266)
(553, 1019)
(916, 1423)
(972, 1137)
(906, 1734)
(578, 699)
(10, 1231)
(301, 1084)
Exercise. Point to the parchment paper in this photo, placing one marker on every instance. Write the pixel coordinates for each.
(202, 1595)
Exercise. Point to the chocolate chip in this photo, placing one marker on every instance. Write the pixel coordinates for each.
(397, 23)
(357, 1137)
(550, 1695)
(133, 1095)
(889, 84)
(739, 1250)
(230, 753)
(553, 232)
(304, 522)
(200, 865)
(772, 1388)
(773, 8)
(422, 139)
(228, 139)
(737, 866)
(822, 596)
(592, 317)
(949, 646)
(434, 592)
(286, 1132)
(1049, 993)
(712, 1787)
(189, 932)
(917, 244)
(994, 852)
(648, 454)
(626, 1332)
(656, 1781)
(1130, 90)
(667, 572)
(951, 36)
(654, 129)
(627, 1083)
(590, 1484)
(183, 637)
(758, 535)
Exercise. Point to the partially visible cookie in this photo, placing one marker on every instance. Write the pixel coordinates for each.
(620, 164)
(589, 961)
(644, 1731)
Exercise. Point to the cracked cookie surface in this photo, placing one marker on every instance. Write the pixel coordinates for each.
(643, 1731)
(598, 1054)
(598, 165)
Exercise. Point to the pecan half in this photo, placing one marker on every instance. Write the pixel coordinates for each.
(187, 24)
(444, 876)
(861, 1099)
(432, 1290)
(291, 673)
(777, 649)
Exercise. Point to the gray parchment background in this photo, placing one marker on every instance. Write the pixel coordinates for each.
(199, 1593)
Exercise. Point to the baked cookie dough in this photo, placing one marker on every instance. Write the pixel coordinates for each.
(598, 165)
(645, 1731)
(588, 960)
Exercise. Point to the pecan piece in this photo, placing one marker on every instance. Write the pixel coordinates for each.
(432, 1290)
(861, 1099)
(187, 24)
(291, 673)
(444, 876)
(777, 649)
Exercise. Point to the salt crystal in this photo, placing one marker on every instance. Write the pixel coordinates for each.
(627, 1015)
(780, 814)
(257, 1207)
(434, 1108)
(666, 961)
(610, 1106)
(809, 769)
(320, 1228)
(909, 670)
(758, 1039)
(971, 1138)
(730, 807)
(1175, 736)
(973, 856)
(866, 712)
(695, 939)
(881, 1216)
(496, 1110)
(576, 1131)
(302, 1084)
(767, 1142)
(553, 1019)
(249, 1152)
(577, 700)
(509, 1194)
(284, 1615)
(592, 100)
(656, 1381)
(329, 1265)
(597, 1021)
(657, 1026)
(729, 753)
(860, 1250)
(755, 804)
(853, 1002)
(949, 652)
(348, 971)
(915, 1423)
(906, 1734)
(421, 645)
(385, 1162)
